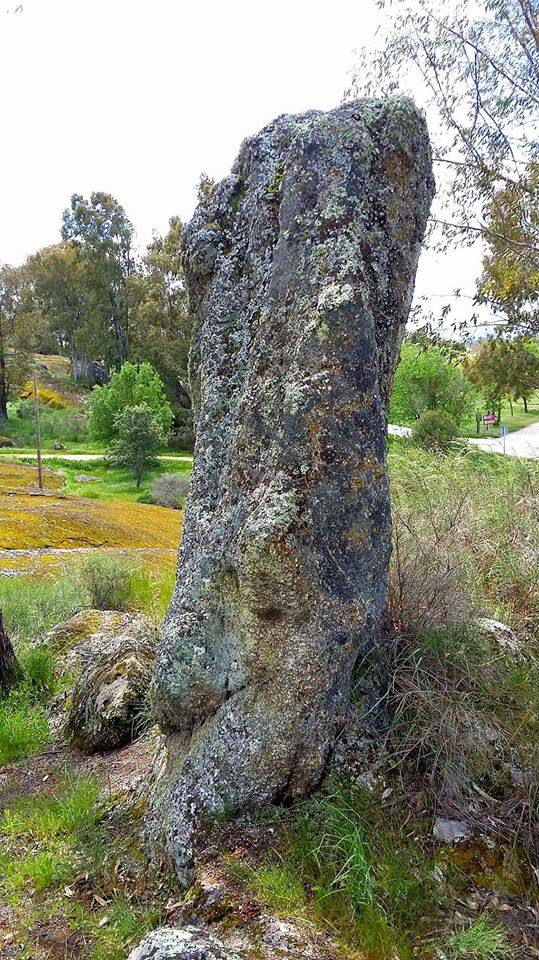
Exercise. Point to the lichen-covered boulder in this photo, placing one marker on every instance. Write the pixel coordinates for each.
(169, 943)
(108, 704)
(89, 634)
(300, 269)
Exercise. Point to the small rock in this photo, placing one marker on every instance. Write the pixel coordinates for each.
(502, 635)
(450, 831)
(58, 446)
(85, 478)
(6, 442)
(169, 943)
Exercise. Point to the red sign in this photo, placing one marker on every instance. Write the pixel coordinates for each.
(490, 418)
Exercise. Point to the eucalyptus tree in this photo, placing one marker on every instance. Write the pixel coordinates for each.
(475, 67)
(103, 231)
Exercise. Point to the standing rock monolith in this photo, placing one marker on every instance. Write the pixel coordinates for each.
(300, 268)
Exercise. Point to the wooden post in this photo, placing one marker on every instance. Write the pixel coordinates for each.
(38, 436)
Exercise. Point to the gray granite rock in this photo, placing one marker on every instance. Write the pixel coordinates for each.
(450, 831)
(169, 943)
(300, 269)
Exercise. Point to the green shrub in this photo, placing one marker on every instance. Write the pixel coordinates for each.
(426, 379)
(131, 386)
(115, 583)
(435, 430)
(108, 581)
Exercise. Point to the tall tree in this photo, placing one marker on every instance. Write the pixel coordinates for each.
(510, 278)
(105, 234)
(161, 325)
(59, 278)
(504, 369)
(19, 326)
(476, 68)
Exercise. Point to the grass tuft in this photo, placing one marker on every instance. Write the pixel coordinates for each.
(482, 940)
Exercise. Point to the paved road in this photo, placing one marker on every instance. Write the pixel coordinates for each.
(521, 443)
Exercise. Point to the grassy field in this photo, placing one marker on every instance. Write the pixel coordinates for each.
(520, 418)
(110, 483)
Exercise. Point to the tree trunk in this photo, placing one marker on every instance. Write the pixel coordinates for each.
(285, 555)
(10, 670)
(511, 406)
(525, 401)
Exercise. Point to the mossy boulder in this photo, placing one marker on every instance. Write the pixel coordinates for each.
(6, 442)
(107, 705)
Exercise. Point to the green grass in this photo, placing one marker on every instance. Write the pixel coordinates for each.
(31, 607)
(482, 940)
(111, 483)
(279, 886)
(346, 860)
(72, 811)
(24, 726)
(340, 861)
(48, 841)
(69, 426)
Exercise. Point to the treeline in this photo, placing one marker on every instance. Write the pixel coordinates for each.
(92, 299)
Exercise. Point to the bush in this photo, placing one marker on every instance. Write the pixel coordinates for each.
(69, 425)
(433, 578)
(465, 537)
(131, 386)
(465, 714)
(435, 430)
(170, 490)
(115, 583)
(108, 580)
(425, 379)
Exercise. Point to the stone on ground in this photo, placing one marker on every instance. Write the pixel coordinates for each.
(300, 268)
(169, 943)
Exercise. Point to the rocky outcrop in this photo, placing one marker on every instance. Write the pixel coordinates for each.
(114, 655)
(300, 270)
(169, 943)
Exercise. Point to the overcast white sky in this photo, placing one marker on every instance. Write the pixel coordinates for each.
(137, 97)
